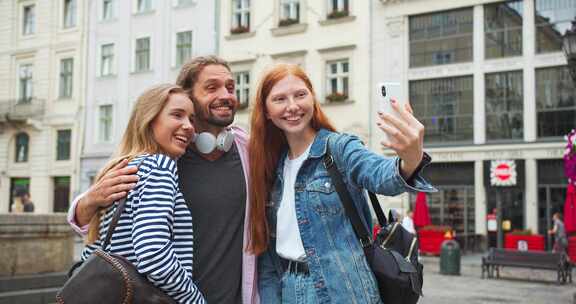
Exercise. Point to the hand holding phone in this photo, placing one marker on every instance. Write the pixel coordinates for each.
(388, 91)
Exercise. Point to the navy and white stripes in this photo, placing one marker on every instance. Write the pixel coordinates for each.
(155, 230)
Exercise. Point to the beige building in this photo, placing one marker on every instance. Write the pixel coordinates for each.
(489, 80)
(330, 39)
(41, 91)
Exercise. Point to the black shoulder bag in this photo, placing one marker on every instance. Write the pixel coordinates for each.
(393, 256)
(109, 278)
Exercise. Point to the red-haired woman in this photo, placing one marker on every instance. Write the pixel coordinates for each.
(308, 252)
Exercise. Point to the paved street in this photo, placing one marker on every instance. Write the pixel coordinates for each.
(516, 285)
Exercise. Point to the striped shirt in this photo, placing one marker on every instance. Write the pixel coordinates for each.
(155, 230)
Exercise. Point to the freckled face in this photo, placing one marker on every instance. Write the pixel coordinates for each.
(290, 106)
(173, 128)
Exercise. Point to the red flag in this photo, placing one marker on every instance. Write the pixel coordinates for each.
(421, 213)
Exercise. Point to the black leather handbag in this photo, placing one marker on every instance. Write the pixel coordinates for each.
(109, 278)
(393, 256)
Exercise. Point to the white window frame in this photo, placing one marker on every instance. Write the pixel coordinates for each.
(66, 79)
(143, 6)
(25, 73)
(107, 63)
(243, 12)
(178, 61)
(28, 20)
(110, 13)
(339, 75)
(101, 138)
(69, 13)
(292, 7)
(242, 87)
(137, 53)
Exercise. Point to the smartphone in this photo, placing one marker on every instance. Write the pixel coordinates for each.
(386, 92)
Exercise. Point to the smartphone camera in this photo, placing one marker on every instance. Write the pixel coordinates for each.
(383, 88)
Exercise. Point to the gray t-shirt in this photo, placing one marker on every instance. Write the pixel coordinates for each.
(560, 231)
(216, 192)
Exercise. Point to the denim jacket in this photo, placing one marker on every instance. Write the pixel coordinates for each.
(334, 255)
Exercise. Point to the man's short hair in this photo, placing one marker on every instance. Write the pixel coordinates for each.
(191, 69)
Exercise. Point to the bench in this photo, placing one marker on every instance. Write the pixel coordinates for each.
(497, 258)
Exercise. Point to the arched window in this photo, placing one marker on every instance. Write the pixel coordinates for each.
(21, 155)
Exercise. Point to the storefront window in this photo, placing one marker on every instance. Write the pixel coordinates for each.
(441, 38)
(445, 106)
(504, 105)
(555, 102)
(511, 198)
(503, 29)
(551, 194)
(552, 20)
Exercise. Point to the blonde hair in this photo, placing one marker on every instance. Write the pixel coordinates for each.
(138, 137)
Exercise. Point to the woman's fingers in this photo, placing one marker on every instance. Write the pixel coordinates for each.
(394, 135)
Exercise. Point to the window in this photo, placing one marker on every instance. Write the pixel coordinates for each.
(446, 107)
(555, 102)
(63, 138)
(289, 12)
(69, 13)
(142, 55)
(61, 193)
(337, 78)
(21, 153)
(106, 59)
(107, 9)
(338, 9)
(184, 2)
(503, 29)
(143, 6)
(25, 83)
(183, 47)
(552, 20)
(28, 20)
(441, 38)
(504, 103)
(66, 74)
(105, 123)
(243, 88)
(240, 16)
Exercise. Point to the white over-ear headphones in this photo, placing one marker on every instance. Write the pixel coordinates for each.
(206, 142)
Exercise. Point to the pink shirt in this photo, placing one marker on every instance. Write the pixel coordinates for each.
(249, 282)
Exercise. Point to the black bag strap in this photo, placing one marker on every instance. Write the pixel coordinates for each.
(117, 213)
(360, 230)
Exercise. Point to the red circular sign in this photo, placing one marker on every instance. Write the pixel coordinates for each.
(503, 172)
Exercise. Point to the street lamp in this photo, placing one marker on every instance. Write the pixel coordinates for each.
(569, 46)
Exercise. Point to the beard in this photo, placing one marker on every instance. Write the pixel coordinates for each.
(204, 115)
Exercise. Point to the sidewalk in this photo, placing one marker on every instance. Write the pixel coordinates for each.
(517, 285)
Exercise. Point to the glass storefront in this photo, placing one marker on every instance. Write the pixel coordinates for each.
(512, 198)
(551, 194)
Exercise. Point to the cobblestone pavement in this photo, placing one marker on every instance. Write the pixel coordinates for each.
(516, 285)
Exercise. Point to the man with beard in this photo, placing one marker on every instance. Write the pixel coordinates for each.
(213, 176)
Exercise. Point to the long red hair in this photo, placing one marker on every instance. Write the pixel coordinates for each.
(266, 144)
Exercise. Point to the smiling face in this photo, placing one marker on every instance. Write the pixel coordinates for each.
(214, 99)
(290, 106)
(173, 127)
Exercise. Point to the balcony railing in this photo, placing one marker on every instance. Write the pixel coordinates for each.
(17, 110)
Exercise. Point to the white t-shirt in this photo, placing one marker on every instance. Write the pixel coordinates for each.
(288, 241)
(408, 224)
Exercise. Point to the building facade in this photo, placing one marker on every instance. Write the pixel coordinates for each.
(41, 97)
(133, 45)
(329, 39)
(489, 80)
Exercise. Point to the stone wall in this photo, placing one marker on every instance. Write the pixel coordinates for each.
(35, 243)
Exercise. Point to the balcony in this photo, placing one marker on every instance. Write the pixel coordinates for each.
(16, 110)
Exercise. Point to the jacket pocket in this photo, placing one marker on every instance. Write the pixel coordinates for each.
(324, 198)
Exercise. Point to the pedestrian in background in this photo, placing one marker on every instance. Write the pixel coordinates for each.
(559, 232)
(408, 222)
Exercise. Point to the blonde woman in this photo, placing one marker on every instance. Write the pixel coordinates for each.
(155, 229)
